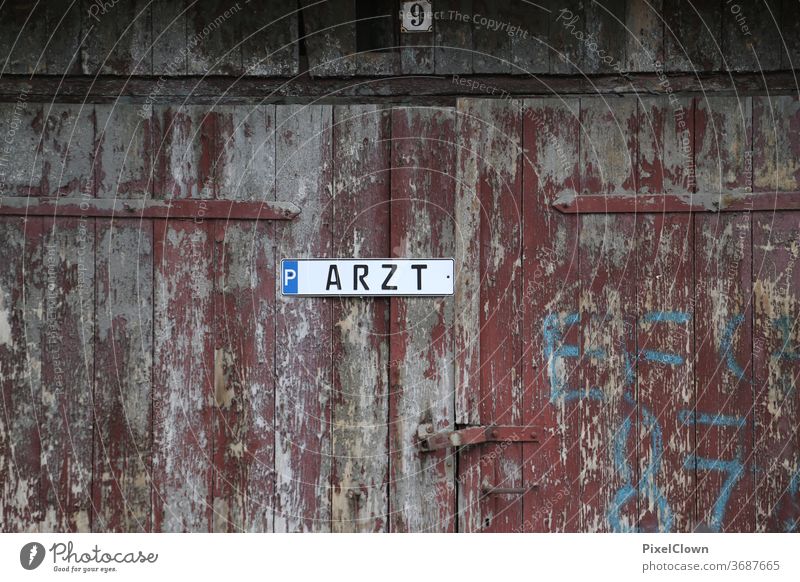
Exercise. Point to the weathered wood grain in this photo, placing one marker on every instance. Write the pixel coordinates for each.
(467, 325)
(529, 31)
(244, 153)
(751, 38)
(184, 143)
(567, 25)
(61, 54)
(303, 326)
(67, 150)
(491, 43)
(453, 38)
(551, 374)
(605, 25)
(776, 144)
(723, 458)
(116, 39)
(609, 146)
(692, 35)
(270, 44)
(776, 457)
(20, 437)
(244, 383)
(123, 366)
(330, 37)
(361, 228)
(67, 358)
(422, 496)
(169, 37)
(23, 33)
(664, 306)
(776, 280)
(499, 190)
(644, 37)
(21, 150)
(124, 165)
(183, 390)
(789, 23)
(213, 33)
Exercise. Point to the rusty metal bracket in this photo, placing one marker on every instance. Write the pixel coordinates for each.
(490, 490)
(429, 440)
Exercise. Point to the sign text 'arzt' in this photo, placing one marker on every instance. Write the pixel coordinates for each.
(367, 277)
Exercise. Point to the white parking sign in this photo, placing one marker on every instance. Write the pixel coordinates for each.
(367, 277)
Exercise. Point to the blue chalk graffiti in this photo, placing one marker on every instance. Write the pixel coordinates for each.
(733, 468)
(726, 346)
(666, 317)
(554, 348)
(793, 524)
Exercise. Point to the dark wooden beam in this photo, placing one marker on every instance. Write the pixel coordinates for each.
(303, 88)
(139, 208)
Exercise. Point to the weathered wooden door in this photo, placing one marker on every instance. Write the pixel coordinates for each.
(642, 364)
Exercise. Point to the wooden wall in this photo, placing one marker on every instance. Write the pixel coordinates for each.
(154, 378)
(343, 38)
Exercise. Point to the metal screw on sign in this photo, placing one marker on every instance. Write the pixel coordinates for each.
(416, 16)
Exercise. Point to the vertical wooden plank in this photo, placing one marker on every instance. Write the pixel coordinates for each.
(360, 412)
(723, 323)
(664, 308)
(20, 437)
(378, 45)
(170, 37)
(67, 375)
(123, 376)
(664, 320)
(330, 37)
(472, 505)
(775, 335)
(214, 32)
(116, 38)
(644, 44)
(303, 327)
(550, 322)
(21, 123)
(61, 53)
(723, 335)
(566, 24)
(270, 43)
(607, 263)
(184, 140)
(453, 37)
(751, 35)
(605, 25)
(244, 321)
(491, 43)
(124, 151)
(244, 388)
(499, 184)
(529, 31)
(775, 356)
(692, 35)
(182, 375)
(422, 496)
(23, 33)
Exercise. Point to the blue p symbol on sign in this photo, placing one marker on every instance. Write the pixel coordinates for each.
(289, 276)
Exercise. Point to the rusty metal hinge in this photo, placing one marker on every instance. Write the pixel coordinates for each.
(475, 435)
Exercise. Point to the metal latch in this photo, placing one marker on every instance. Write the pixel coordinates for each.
(475, 435)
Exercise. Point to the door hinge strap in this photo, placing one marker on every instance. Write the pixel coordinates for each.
(475, 435)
